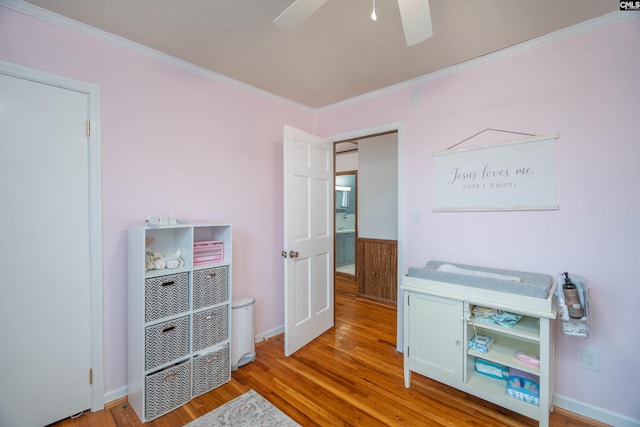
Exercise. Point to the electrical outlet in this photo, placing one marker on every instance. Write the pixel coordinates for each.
(590, 360)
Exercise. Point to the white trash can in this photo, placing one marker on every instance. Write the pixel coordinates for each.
(243, 349)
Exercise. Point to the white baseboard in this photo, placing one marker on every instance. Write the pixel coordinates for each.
(268, 334)
(115, 394)
(593, 412)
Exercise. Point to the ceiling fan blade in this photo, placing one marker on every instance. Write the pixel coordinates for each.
(297, 12)
(416, 20)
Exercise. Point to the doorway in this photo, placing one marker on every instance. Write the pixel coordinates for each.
(346, 210)
(367, 216)
(346, 224)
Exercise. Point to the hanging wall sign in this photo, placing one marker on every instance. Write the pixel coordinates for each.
(515, 175)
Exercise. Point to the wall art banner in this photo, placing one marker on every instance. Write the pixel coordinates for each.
(514, 175)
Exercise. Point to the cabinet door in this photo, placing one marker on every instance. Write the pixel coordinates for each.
(435, 337)
(349, 248)
(340, 249)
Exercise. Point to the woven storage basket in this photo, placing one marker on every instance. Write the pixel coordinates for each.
(210, 327)
(166, 341)
(211, 370)
(210, 286)
(167, 389)
(166, 296)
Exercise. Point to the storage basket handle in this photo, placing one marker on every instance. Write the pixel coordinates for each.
(168, 283)
(169, 329)
(170, 376)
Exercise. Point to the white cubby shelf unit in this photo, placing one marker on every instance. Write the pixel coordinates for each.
(179, 319)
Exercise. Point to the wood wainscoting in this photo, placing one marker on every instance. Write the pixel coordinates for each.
(377, 269)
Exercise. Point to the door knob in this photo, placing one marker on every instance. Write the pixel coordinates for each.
(293, 254)
(284, 254)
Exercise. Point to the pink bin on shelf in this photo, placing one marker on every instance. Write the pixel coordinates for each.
(207, 252)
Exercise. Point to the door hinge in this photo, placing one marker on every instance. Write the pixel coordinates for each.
(90, 376)
(88, 128)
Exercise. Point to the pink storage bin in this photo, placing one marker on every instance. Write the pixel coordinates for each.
(207, 252)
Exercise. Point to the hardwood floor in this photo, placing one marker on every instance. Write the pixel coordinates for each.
(346, 284)
(352, 375)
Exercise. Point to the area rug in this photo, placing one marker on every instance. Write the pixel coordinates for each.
(250, 409)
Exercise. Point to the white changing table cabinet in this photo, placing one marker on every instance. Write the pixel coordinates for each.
(438, 325)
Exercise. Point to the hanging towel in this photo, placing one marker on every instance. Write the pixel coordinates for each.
(345, 199)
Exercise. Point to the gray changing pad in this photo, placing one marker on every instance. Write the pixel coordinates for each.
(535, 285)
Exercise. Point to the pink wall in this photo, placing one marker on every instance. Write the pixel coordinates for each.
(586, 89)
(173, 141)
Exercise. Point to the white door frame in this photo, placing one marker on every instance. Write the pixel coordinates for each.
(95, 211)
(390, 127)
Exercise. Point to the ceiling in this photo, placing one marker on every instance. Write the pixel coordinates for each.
(336, 54)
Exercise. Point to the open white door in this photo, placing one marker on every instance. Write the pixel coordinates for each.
(308, 238)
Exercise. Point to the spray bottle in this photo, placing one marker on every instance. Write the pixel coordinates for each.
(571, 298)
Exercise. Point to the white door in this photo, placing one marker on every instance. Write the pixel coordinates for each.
(308, 237)
(44, 253)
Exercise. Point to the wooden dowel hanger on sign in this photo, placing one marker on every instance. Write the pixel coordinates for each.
(484, 130)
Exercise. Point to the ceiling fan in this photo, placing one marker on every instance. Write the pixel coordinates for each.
(415, 15)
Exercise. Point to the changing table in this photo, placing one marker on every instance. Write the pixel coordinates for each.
(439, 323)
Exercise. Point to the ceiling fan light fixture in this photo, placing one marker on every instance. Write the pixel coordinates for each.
(415, 16)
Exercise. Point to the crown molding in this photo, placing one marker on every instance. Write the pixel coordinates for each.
(71, 24)
(551, 38)
(548, 39)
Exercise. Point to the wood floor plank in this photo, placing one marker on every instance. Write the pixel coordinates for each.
(352, 375)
